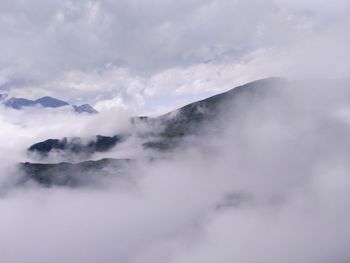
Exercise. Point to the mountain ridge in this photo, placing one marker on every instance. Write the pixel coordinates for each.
(46, 102)
(175, 125)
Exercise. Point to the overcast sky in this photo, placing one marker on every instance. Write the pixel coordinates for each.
(268, 182)
(153, 55)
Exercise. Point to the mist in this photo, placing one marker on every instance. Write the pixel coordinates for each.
(269, 184)
(259, 173)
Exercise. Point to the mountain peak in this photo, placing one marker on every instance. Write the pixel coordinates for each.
(50, 102)
(84, 108)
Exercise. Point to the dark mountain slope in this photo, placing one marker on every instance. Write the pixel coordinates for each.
(189, 119)
(189, 116)
(71, 174)
(76, 145)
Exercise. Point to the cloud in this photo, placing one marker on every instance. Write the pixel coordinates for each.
(270, 184)
(104, 49)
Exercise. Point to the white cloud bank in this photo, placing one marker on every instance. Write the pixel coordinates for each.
(270, 187)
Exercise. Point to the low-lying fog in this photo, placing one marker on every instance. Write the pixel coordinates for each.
(269, 184)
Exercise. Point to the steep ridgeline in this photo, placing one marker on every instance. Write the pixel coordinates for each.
(190, 119)
(46, 102)
(174, 126)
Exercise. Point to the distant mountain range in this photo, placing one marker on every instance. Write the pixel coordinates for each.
(45, 102)
(172, 128)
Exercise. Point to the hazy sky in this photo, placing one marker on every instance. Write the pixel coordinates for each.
(152, 55)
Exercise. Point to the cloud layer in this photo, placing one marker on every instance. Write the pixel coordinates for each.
(143, 51)
(270, 186)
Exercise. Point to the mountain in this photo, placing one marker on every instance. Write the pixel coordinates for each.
(70, 174)
(84, 108)
(189, 119)
(177, 124)
(75, 145)
(171, 129)
(18, 103)
(46, 102)
(50, 102)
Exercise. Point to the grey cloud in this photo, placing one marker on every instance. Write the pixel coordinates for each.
(41, 41)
